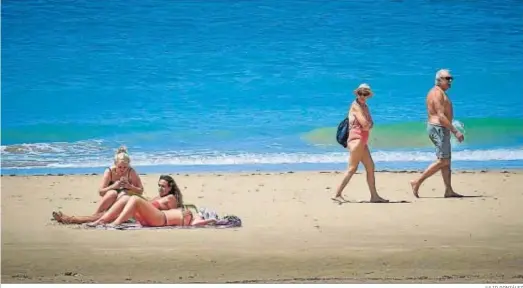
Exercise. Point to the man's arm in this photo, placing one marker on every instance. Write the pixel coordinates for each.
(443, 120)
(437, 101)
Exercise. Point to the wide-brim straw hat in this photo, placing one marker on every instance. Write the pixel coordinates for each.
(364, 86)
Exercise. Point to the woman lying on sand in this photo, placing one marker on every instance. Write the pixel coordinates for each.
(169, 197)
(148, 214)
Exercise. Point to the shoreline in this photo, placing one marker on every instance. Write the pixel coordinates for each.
(272, 172)
(382, 166)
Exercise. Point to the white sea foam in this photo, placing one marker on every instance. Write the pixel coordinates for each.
(55, 148)
(215, 158)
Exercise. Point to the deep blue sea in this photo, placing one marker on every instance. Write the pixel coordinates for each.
(224, 85)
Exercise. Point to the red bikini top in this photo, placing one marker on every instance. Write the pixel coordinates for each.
(156, 204)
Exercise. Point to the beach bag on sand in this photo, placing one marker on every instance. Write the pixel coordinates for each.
(230, 220)
(342, 134)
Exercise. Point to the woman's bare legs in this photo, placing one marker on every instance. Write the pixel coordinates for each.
(367, 161)
(138, 205)
(356, 151)
(114, 211)
(61, 218)
(107, 200)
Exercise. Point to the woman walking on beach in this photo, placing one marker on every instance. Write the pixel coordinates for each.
(360, 124)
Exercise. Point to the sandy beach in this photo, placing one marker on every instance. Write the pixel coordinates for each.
(292, 231)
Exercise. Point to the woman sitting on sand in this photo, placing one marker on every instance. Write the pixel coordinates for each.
(360, 124)
(119, 181)
(165, 211)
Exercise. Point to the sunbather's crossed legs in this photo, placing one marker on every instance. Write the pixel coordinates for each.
(114, 210)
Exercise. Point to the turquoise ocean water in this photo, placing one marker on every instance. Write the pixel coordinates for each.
(252, 85)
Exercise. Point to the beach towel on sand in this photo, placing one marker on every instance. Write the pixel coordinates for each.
(227, 221)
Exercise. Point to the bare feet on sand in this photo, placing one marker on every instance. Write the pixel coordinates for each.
(339, 198)
(61, 218)
(378, 199)
(415, 187)
(448, 193)
(95, 223)
(452, 194)
(57, 216)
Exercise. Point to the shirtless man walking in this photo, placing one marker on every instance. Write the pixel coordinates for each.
(440, 116)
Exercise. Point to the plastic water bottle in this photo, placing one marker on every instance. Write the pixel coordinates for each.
(461, 128)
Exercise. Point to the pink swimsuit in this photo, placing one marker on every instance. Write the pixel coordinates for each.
(356, 130)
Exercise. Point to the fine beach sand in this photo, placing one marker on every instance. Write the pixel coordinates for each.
(292, 232)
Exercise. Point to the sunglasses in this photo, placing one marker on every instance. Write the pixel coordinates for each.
(364, 93)
(448, 78)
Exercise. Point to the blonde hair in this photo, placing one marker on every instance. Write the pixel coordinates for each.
(122, 155)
